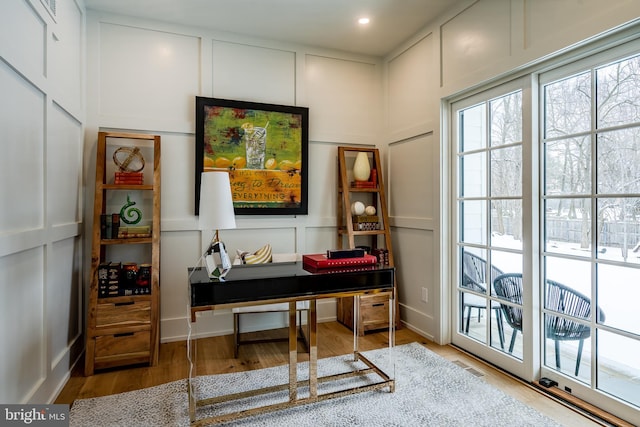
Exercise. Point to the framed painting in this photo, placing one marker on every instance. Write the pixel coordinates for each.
(263, 147)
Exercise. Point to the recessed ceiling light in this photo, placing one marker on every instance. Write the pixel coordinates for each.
(363, 21)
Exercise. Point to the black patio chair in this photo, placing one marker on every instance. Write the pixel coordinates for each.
(509, 288)
(558, 298)
(474, 278)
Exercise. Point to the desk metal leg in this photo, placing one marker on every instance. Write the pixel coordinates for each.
(293, 352)
(392, 339)
(192, 356)
(313, 349)
(356, 325)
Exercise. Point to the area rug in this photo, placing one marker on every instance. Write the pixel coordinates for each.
(430, 391)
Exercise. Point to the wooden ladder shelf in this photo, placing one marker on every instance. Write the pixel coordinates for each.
(373, 310)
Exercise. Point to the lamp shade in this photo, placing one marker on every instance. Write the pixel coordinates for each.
(216, 203)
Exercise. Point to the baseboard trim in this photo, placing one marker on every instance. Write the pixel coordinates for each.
(572, 400)
(596, 415)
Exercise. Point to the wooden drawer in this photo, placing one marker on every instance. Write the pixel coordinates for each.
(127, 313)
(121, 346)
(374, 311)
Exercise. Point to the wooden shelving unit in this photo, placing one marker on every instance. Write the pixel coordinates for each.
(124, 329)
(373, 309)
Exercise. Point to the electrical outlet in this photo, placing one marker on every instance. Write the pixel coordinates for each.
(425, 295)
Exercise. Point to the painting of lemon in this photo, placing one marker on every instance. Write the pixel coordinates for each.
(239, 163)
(285, 165)
(208, 162)
(270, 163)
(223, 162)
(261, 149)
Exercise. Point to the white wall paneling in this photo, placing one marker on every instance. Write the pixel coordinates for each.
(22, 161)
(66, 57)
(553, 25)
(415, 262)
(323, 176)
(471, 39)
(41, 113)
(319, 238)
(148, 79)
(411, 194)
(23, 368)
(409, 114)
(179, 250)
(63, 299)
(178, 158)
(64, 167)
(252, 73)
(22, 39)
(408, 192)
(344, 98)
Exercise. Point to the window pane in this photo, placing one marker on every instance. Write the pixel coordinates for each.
(618, 93)
(565, 355)
(474, 220)
(506, 223)
(619, 229)
(568, 166)
(507, 262)
(472, 128)
(567, 290)
(506, 172)
(473, 175)
(473, 321)
(572, 273)
(567, 106)
(509, 291)
(618, 368)
(568, 226)
(506, 119)
(618, 296)
(618, 160)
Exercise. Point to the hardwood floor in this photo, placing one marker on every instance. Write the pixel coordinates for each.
(215, 356)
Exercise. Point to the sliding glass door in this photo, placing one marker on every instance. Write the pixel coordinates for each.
(491, 224)
(546, 227)
(590, 138)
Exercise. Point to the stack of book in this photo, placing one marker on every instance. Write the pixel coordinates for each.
(109, 226)
(382, 255)
(129, 178)
(339, 258)
(365, 222)
(372, 183)
(135, 231)
(112, 282)
(363, 184)
(109, 279)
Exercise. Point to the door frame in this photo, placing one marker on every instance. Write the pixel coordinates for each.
(528, 367)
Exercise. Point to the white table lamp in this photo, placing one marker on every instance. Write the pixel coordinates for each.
(216, 213)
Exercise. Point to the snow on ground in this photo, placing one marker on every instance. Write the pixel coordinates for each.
(618, 290)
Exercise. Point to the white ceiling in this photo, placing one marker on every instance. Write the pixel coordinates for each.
(323, 23)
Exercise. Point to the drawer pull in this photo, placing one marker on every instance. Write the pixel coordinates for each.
(119, 304)
(380, 304)
(125, 334)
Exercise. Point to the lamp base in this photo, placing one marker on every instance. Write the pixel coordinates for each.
(217, 260)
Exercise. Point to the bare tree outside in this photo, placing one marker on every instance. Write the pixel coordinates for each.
(506, 164)
(571, 161)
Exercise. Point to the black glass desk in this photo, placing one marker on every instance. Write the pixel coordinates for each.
(289, 282)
